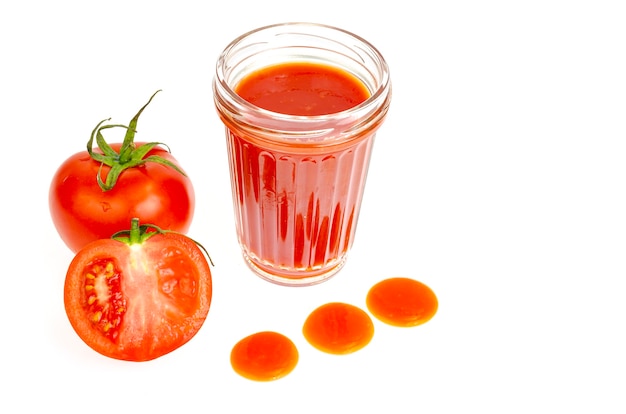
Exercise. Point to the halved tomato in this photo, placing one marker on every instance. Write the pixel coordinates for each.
(139, 295)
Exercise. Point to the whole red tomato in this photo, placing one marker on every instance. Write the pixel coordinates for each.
(140, 296)
(96, 192)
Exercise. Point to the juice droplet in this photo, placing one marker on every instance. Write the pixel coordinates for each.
(264, 356)
(338, 328)
(402, 302)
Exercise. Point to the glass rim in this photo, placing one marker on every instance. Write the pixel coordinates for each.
(227, 99)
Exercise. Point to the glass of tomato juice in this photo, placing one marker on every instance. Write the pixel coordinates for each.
(301, 103)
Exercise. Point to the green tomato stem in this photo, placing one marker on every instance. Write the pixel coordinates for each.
(135, 232)
(129, 155)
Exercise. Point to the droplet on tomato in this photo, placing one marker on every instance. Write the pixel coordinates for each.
(264, 356)
(338, 328)
(402, 302)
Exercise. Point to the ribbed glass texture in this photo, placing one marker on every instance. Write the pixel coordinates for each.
(296, 213)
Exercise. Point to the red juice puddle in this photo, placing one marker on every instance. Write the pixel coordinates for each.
(402, 302)
(338, 328)
(264, 356)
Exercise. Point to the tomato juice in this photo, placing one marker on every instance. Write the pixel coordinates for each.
(300, 124)
(296, 204)
(302, 88)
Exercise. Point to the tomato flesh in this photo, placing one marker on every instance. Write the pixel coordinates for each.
(155, 193)
(138, 302)
(105, 304)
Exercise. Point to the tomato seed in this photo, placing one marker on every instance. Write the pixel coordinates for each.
(96, 316)
(109, 270)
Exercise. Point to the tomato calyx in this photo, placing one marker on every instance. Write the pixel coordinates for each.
(129, 155)
(138, 234)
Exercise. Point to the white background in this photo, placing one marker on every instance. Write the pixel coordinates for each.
(498, 179)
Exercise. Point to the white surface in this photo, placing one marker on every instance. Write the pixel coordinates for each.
(498, 179)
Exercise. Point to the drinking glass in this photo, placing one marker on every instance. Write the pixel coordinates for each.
(297, 178)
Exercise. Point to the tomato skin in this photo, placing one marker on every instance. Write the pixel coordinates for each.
(152, 299)
(153, 192)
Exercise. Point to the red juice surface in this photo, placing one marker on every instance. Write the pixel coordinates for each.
(302, 89)
(338, 328)
(264, 356)
(297, 203)
(403, 302)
